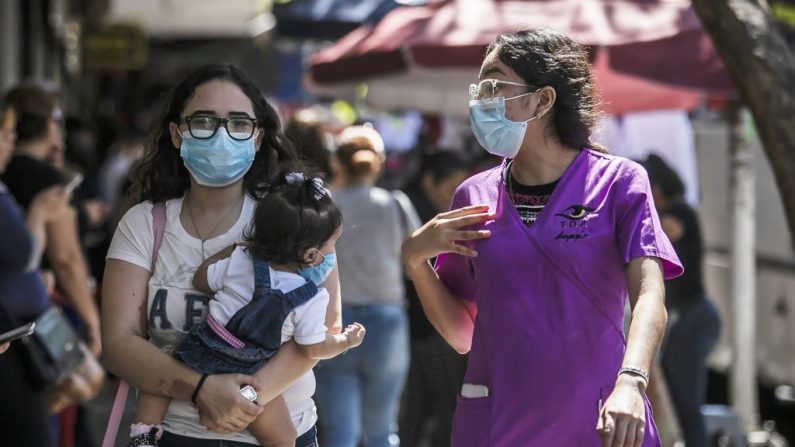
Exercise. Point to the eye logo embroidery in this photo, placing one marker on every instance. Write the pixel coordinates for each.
(574, 226)
(576, 212)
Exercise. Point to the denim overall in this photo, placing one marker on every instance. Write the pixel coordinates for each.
(258, 324)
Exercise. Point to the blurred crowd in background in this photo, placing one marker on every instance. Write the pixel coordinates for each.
(92, 119)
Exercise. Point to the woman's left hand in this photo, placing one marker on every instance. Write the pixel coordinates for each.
(622, 420)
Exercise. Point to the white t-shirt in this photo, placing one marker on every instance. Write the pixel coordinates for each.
(174, 306)
(232, 280)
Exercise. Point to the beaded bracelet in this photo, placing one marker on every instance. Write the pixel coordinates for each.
(635, 371)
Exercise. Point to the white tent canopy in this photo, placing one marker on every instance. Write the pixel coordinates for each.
(191, 18)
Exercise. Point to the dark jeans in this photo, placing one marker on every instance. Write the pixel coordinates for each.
(308, 439)
(684, 358)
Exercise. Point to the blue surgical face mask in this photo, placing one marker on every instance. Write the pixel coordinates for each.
(319, 273)
(496, 133)
(217, 161)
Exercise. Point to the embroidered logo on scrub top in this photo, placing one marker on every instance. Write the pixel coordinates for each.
(574, 226)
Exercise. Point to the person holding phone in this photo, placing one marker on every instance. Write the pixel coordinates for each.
(23, 297)
(30, 171)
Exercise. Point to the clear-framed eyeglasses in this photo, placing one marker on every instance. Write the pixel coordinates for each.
(490, 88)
(204, 127)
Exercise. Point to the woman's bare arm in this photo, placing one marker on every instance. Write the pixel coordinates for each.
(124, 334)
(453, 317)
(647, 299)
(622, 419)
(66, 258)
(124, 300)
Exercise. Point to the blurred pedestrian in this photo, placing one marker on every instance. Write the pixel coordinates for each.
(24, 412)
(694, 323)
(437, 371)
(358, 394)
(214, 143)
(537, 259)
(306, 132)
(30, 171)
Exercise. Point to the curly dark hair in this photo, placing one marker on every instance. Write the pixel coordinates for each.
(543, 57)
(306, 217)
(162, 175)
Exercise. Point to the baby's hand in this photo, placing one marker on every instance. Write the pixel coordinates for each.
(355, 334)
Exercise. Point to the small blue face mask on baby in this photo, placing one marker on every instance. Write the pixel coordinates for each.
(496, 133)
(217, 161)
(319, 273)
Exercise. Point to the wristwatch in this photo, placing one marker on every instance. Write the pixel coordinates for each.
(249, 393)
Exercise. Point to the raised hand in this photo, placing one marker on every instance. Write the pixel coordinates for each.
(355, 334)
(443, 233)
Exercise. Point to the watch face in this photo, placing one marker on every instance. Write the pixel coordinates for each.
(249, 393)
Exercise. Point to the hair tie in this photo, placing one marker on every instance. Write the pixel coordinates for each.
(316, 183)
(295, 178)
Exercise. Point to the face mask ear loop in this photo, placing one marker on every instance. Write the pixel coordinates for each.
(523, 94)
(535, 117)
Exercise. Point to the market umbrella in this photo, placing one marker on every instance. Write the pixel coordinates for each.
(421, 56)
(327, 19)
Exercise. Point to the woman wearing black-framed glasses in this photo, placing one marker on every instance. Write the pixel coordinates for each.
(203, 127)
(209, 182)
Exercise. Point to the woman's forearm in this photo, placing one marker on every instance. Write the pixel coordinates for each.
(69, 265)
(453, 317)
(162, 374)
(647, 297)
(36, 226)
(127, 352)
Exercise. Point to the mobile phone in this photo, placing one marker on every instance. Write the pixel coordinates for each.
(74, 183)
(9, 120)
(19, 332)
(249, 393)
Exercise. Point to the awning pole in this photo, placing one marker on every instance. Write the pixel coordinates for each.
(743, 391)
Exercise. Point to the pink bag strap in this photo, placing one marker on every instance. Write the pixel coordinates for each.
(158, 228)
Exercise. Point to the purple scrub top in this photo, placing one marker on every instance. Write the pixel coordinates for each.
(548, 339)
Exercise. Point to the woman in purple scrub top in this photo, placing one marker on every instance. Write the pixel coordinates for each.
(537, 259)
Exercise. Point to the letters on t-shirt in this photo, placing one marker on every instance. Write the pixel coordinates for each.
(195, 308)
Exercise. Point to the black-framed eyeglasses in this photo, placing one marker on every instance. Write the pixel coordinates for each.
(489, 88)
(204, 127)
